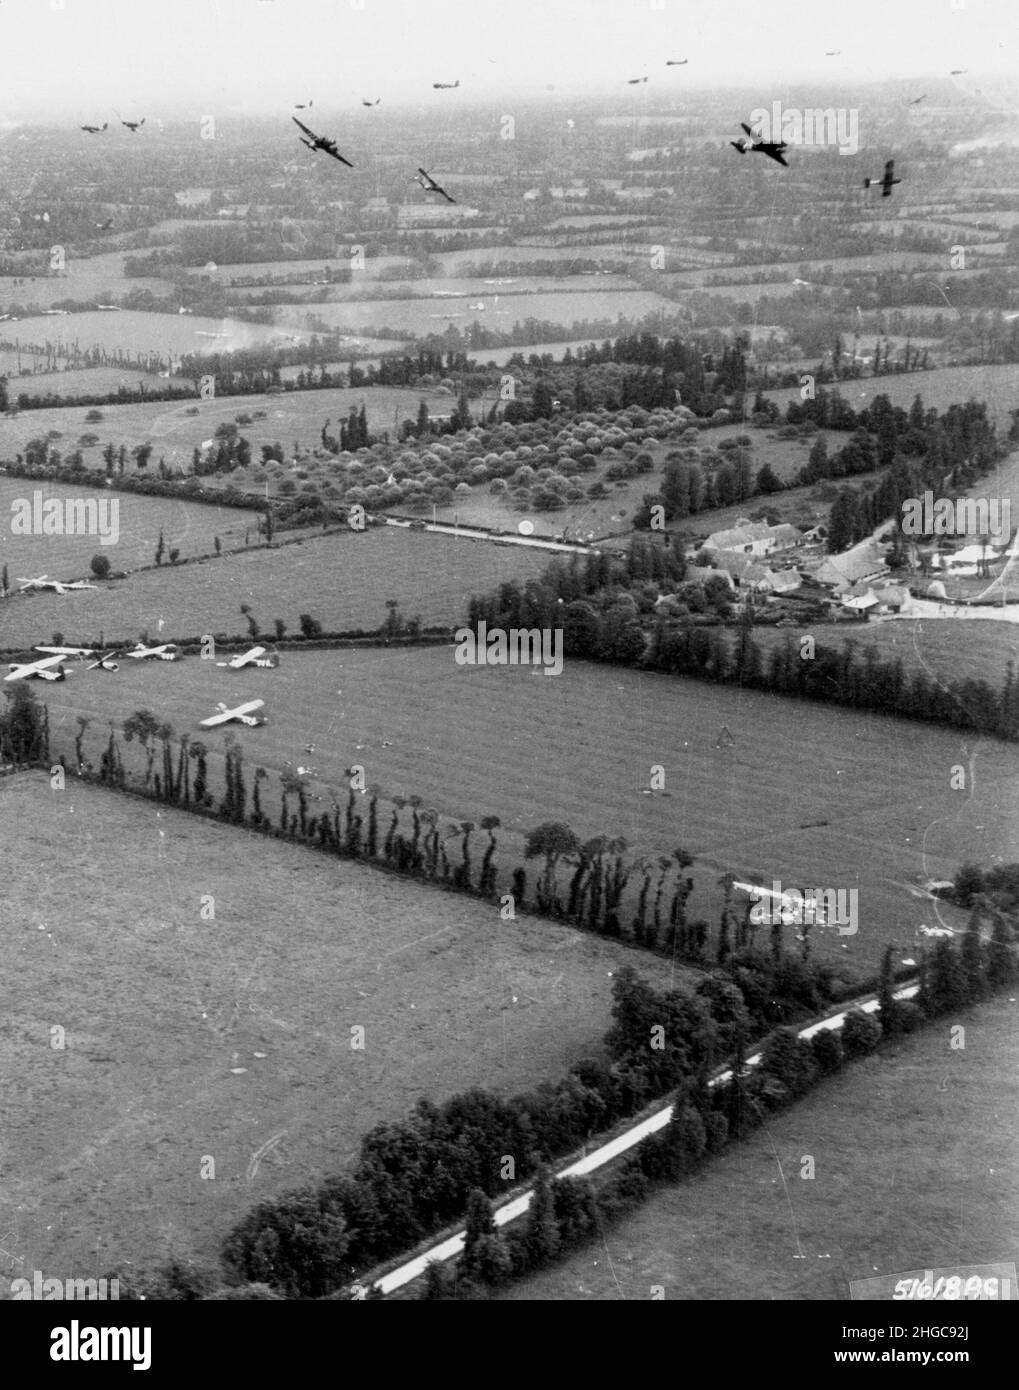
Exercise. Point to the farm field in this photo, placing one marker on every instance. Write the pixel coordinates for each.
(420, 316)
(945, 386)
(175, 434)
(915, 1169)
(84, 277)
(188, 1037)
(142, 332)
(810, 794)
(79, 381)
(187, 526)
(477, 288)
(343, 580)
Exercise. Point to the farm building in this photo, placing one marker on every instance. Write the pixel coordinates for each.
(755, 538)
(862, 562)
(751, 574)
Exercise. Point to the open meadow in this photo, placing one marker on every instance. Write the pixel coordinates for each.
(998, 386)
(343, 580)
(142, 332)
(813, 795)
(228, 1035)
(915, 1168)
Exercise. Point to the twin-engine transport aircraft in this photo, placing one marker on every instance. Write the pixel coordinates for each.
(49, 669)
(885, 182)
(320, 142)
(774, 149)
(424, 178)
(169, 651)
(44, 582)
(96, 129)
(243, 714)
(257, 656)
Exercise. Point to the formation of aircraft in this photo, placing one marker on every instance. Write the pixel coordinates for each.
(429, 185)
(257, 656)
(320, 142)
(96, 129)
(49, 669)
(167, 651)
(243, 714)
(886, 181)
(774, 149)
(44, 582)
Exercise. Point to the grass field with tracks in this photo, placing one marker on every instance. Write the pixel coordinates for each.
(915, 1168)
(186, 1036)
(813, 795)
(343, 580)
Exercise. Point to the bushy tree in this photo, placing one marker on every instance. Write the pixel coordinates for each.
(860, 1034)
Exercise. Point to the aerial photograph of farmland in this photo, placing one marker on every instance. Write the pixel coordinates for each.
(509, 608)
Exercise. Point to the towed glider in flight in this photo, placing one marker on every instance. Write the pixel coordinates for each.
(886, 181)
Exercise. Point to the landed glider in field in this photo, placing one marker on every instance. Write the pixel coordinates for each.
(49, 669)
(168, 651)
(44, 582)
(243, 714)
(257, 656)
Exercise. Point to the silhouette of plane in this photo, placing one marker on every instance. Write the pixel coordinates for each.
(676, 62)
(370, 103)
(886, 181)
(95, 129)
(917, 100)
(958, 72)
(133, 125)
(321, 142)
(104, 226)
(774, 149)
(303, 105)
(446, 86)
(429, 185)
(635, 81)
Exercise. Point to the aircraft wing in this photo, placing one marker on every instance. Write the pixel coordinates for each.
(304, 127)
(748, 130)
(67, 651)
(32, 666)
(216, 719)
(336, 155)
(249, 707)
(781, 159)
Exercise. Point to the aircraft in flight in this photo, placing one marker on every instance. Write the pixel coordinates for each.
(104, 226)
(429, 185)
(303, 105)
(774, 149)
(446, 86)
(49, 669)
(917, 100)
(133, 126)
(321, 142)
(167, 651)
(257, 656)
(676, 62)
(365, 102)
(886, 181)
(96, 129)
(635, 81)
(44, 582)
(243, 714)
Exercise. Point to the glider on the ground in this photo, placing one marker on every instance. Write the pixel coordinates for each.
(243, 714)
(257, 656)
(774, 149)
(96, 129)
(885, 182)
(168, 651)
(49, 669)
(321, 142)
(44, 582)
(104, 662)
(429, 185)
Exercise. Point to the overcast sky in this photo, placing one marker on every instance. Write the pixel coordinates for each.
(83, 58)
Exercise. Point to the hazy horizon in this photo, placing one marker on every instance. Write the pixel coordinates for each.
(90, 60)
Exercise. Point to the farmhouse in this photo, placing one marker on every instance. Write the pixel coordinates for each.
(841, 572)
(751, 574)
(755, 538)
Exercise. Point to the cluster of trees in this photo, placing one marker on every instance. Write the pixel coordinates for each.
(24, 728)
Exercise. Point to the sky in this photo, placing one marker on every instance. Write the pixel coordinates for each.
(89, 58)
